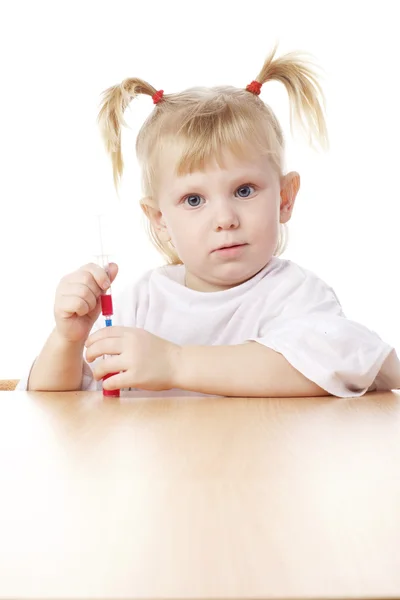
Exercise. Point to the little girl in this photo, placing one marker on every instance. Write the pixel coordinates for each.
(225, 316)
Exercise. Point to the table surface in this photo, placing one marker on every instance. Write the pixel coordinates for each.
(199, 497)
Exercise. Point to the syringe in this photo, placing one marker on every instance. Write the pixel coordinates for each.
(106, 306)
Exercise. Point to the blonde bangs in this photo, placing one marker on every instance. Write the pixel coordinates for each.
(205, 138)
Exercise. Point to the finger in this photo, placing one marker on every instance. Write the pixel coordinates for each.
(110, 364)
(70, 305)
(79, 278)
(111, 346)
(106, 332)
(82, 291)
(112, 271)
(116, 382)
(94, 277)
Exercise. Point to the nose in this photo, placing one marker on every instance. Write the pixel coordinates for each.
(225, 216)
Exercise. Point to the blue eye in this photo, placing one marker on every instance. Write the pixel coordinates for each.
(192, 197)
(194, 200)
(244, 188)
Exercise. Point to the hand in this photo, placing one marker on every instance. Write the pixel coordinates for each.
(77, 303)
(146, 361)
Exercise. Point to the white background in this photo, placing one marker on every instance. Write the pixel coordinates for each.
(57, 58)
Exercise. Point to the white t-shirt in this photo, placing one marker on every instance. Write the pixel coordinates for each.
(285, 307)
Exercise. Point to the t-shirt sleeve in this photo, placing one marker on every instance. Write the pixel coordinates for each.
(22, 384)
(342, 356)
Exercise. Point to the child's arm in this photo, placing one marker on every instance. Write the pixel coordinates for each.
(59, 366)
(245, 370)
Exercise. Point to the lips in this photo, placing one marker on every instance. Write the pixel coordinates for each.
(229, 246)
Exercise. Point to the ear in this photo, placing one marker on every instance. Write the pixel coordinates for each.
(290, 185)
(153, 213)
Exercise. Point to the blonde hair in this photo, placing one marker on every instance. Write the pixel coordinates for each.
(203, 121)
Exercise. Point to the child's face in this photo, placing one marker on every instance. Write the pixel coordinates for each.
(241, 204)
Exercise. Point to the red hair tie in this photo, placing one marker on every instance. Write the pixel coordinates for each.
(158, 96)
(254, 87)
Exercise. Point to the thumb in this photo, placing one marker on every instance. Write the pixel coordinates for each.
(112, 271)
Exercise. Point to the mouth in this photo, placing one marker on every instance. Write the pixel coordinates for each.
(230, 249)
(229, 246)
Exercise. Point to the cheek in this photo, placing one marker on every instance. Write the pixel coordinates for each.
(183, 234)
(184, 227)
(266, 219)
(265, 228)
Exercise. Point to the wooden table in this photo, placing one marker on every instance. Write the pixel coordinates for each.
(199, 497)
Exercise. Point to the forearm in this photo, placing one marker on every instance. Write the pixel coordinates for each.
(245, 370)
(58, 367)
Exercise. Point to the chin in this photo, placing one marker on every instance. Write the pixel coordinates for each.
(236, 274)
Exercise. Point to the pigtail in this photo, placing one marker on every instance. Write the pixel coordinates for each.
(302, 85)
(111, 117)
